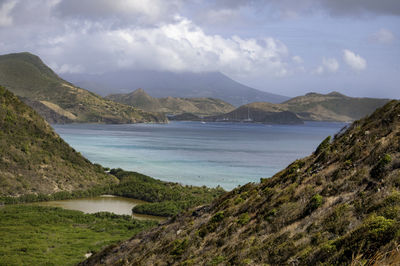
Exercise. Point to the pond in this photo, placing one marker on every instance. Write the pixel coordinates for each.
(104, 203)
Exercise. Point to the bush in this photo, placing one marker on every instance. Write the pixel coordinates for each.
(315, 202)
(378, 170)
(178, 247)
(324, 146)
(244, 218)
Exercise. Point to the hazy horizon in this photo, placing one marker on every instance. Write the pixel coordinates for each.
(282, 47)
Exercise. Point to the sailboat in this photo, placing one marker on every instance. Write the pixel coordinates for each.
(248, 119)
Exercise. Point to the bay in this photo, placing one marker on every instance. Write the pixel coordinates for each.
(194, 153)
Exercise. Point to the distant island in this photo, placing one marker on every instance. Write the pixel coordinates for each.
(310, 107)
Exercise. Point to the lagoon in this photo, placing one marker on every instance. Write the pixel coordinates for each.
(104, 203)
(194, 153)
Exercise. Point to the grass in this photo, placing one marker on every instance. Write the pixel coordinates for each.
(36, 235)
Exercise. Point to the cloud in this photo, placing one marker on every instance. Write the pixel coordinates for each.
(143, 12)
(383, 36)
(297, 59)
(5, 10)
(179, 46)
(357, 7)
(330, 65)
(355, 61)
(293, 9)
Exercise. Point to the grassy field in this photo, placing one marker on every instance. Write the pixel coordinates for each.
(35, 235)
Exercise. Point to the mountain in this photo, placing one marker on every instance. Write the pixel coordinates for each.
(28, 77)
(170, 105)
(184, 85)
(34, 159)
(332, 107)
(310, 107)
(338, 206)
(257, 113)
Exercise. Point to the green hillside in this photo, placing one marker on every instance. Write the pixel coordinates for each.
(310, 107)
(339, 206)
(173, 105)
(332, 107)
(258, 113)
(34, 159)
(27, 76)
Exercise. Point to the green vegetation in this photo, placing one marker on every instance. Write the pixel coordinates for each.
(314, 203)
(171, 105)
(310, 107)
(34, 235)
(59, 101)
(342, 208)
(379, 168)
(34, 159)
(256, 113)
(332, 106)
(165, 198)
(324, 146)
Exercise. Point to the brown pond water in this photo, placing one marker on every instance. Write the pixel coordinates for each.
(104, 203)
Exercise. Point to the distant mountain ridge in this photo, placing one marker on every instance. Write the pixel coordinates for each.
(34, 159)
(184, 85)
(310, 107)
(333, 106)
(28, 77)
(172, 105)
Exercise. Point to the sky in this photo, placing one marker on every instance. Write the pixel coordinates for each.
(288, 47)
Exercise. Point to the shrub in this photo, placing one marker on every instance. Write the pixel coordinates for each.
(324, 146)
(314, 203)
(219, 216)
(376, 231)
(178, 247)
(244, 218)
(378, 170)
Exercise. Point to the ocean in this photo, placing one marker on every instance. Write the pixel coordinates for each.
(194, 153)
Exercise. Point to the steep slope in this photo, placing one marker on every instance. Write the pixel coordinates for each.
(184, 85)
(27, 76)
(339, 205)
(34, 159)
(170, 105)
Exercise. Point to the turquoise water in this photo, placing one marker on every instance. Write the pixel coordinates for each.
(193, 153)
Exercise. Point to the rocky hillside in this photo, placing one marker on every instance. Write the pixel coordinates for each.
(27, 76)
(338, 206)
(34, 159)
(170, 105)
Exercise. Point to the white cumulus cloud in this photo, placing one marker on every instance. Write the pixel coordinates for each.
(178, 46)
(355, 61)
